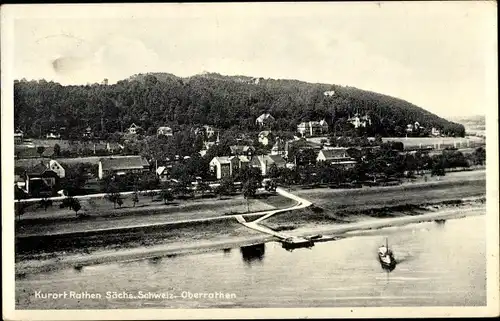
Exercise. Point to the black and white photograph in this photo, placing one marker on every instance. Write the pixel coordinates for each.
(270, 160)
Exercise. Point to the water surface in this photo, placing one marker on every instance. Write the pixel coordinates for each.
(441, 265)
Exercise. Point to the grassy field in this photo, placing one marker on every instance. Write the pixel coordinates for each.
(341, 206)
(100, 213)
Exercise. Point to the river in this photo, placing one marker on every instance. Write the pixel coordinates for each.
(440, 265)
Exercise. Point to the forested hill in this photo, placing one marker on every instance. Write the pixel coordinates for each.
(162, 99)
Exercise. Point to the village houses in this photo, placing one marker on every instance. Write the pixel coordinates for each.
(329, 93)
(357, 121)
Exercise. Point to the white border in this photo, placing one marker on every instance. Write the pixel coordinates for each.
(114, 11)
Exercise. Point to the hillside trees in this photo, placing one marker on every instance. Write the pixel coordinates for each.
(157, 100)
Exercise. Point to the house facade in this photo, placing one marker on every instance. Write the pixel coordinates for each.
(265, 120)
(265, 162)
(41, 180)
(133, 129)
(264, 137)
(18, 136)
(87, 133)
(312, 128)
(336, 156)
(53, 135)
(121, 165)
(279, 148)
(224, 166)
(360, 121)
(164, 131)
(435, 132)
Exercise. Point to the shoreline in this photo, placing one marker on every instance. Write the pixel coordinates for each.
(331, 232)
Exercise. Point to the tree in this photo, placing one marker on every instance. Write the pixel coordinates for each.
(135, 198)
(114, 196)
(166, 192)
(57, 150)
(72, 203)
(438, 166)
(76, 178)
(45, 203)
(249, 190)
(479, 156)
(203, 188)
(75, 205)
(19, 209)
(40, 150)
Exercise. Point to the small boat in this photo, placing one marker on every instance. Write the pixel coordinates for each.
(386, 257)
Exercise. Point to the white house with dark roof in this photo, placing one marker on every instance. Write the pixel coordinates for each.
(133, 129)
(121, 165)
(265, 162)
(224, 166)
(336, 156)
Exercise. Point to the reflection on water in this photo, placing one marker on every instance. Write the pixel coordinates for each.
(253, 253)
(437, 266)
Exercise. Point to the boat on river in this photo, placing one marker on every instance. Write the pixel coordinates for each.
(386, 257)
(296, 242)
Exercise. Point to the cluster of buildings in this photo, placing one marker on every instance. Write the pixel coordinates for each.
(42, 176)
(244, 157)
(416, 128)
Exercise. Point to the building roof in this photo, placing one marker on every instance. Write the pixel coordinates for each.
(244, 158)
(39, 169)
(235, 149)
(223, 159)
(271, 159)
(264, 117)
(122, 163)
(160, 170)
(264, 133)
(277, 159)
(334, 153)
(164, 129)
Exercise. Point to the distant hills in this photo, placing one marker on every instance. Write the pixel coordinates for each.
(473, 122)
(159, 99)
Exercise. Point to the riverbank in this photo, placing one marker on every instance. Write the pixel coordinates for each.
(234, 239)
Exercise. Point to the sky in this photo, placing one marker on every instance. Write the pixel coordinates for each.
(435, 55)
